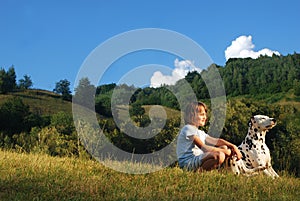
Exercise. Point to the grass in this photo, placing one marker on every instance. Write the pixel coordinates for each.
(40, 101)
(41, 177)
(170, 113)
(156, 111)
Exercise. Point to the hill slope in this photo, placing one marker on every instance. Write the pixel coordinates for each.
(41, 102)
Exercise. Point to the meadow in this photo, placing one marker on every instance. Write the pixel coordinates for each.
(42, 177)
(40, 101)
(36, 125)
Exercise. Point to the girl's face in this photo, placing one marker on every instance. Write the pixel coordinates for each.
(201, 117)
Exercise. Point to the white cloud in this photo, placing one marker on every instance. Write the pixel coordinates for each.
(242, 47)
(180, 71)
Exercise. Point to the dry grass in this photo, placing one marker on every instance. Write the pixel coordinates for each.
(41, 177)
(40, 101)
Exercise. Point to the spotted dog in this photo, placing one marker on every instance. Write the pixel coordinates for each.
(256, 154)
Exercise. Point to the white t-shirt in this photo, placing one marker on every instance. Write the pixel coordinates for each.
(186, 148)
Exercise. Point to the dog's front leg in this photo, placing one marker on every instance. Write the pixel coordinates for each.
(272, 172)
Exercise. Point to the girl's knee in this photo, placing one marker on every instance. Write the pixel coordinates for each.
(227, 150)
(221, 157)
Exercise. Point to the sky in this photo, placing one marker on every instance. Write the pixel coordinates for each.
(51, 40)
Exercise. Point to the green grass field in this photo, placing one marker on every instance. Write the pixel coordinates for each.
(41, 177)
(40, 101)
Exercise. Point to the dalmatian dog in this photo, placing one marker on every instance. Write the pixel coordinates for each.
(256, 154)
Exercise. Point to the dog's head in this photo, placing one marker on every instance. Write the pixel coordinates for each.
(262, 122)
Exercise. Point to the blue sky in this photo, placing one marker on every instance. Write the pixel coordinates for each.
(49, 40)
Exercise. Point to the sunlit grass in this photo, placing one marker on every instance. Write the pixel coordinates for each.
(41, 177)
(40, 101)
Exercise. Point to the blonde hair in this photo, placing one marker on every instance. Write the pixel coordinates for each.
(192, 110)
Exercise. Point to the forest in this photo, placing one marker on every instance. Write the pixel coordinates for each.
(266, 85)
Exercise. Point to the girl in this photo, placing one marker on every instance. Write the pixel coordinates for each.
(196, 150)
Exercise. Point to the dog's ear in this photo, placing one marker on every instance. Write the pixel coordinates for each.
(251, 121)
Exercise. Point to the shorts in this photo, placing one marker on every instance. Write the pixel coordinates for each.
(193, 163)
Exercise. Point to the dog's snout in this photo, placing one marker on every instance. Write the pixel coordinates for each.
(274, 120)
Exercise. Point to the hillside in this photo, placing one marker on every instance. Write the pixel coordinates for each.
(42, 122)
(41, 102)
(41, 177)
(45, 102)
(275, 99)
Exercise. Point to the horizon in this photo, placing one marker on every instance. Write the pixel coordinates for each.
(145, 86)
(130, 82)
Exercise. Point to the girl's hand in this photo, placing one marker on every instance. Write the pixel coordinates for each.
(227, 152)
(236, 151)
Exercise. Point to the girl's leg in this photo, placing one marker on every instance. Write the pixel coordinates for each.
(227, 151)
(212, 160)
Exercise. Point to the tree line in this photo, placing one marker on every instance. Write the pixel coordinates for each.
(8, 81)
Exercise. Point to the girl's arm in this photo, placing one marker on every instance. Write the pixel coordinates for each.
(208, 148)
(221, 142)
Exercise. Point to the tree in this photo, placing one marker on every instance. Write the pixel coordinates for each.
(7, 80)
(2, 81)
(13, 114)
(63, 87)
(103, 105)
(297, 87)
(106, 88)
(137, 110)
(26, 82)
(85, 93)
(63, 123)
(11, 78)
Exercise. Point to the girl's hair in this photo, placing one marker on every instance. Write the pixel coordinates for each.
(192, 110)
